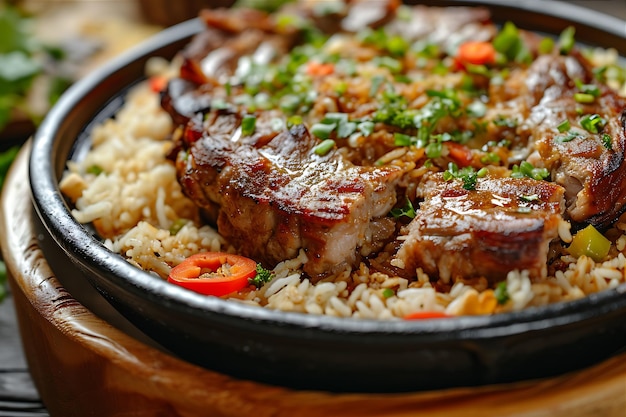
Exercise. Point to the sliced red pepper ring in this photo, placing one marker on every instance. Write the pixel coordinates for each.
(213, 273)
(423, 315)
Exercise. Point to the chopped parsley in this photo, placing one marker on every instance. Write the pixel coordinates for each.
(468, 175)
(262, 277)
(407, 211)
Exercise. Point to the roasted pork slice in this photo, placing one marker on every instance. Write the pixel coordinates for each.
(503, 224)
(273, 198)
(578, 129)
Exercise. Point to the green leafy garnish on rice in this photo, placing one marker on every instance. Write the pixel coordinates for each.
(263, 276)
(502, 294)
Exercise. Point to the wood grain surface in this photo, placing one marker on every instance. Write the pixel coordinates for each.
(83, 366)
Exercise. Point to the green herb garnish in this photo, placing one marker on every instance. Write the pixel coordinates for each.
(407, 211)
(607, 141)
(592, 123)
(564, 126)
(566, 40)
(501, 293)
(324, 147)
(388, 292)
(526, 169)
(248, 124)
(262, 277)
(467, 175)
(177, 225)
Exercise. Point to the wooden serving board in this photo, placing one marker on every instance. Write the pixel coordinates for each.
(83, 366)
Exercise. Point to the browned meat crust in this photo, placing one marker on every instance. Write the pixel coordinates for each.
(279, 197)
(503, 224)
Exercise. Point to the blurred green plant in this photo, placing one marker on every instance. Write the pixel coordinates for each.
(23, 58)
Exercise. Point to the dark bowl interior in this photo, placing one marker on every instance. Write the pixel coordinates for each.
(307, 351)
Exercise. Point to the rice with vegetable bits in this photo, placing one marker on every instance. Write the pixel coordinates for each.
(128, 184)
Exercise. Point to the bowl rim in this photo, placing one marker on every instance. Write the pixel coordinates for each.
(90, 254)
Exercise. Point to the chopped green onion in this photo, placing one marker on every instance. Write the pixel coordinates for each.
(388, 292)
(490, 158)
(294, 120)
(366, 127)
(502, 121)
(529, 198)
(345, 129)
(524, 210)
(94, 169)
(324, 147)
(526, 169)
(592, 123)
(434, 149)
(570, 136)
(546, 46)
(607, 141)
(400, 139)
(564, 126)
(510, 44)
(322, 130)
(501, 293)
(566, 40)
(584, 98)
(177, 225)
(592, 89)
(248, 124)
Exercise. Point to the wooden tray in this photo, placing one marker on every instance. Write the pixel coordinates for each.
(83, 366)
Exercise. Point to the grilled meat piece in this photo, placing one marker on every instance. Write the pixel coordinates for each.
(504, 224)
(273, 198)
(588, 164)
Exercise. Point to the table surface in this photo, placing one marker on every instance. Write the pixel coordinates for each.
(18, 395)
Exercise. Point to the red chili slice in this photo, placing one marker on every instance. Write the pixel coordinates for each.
(213, 273)
(423, 315)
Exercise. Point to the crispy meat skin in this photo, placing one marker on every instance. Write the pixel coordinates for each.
(461, 233)
(278, 198)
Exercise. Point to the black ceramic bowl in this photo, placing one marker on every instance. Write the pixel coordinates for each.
(308, 351)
